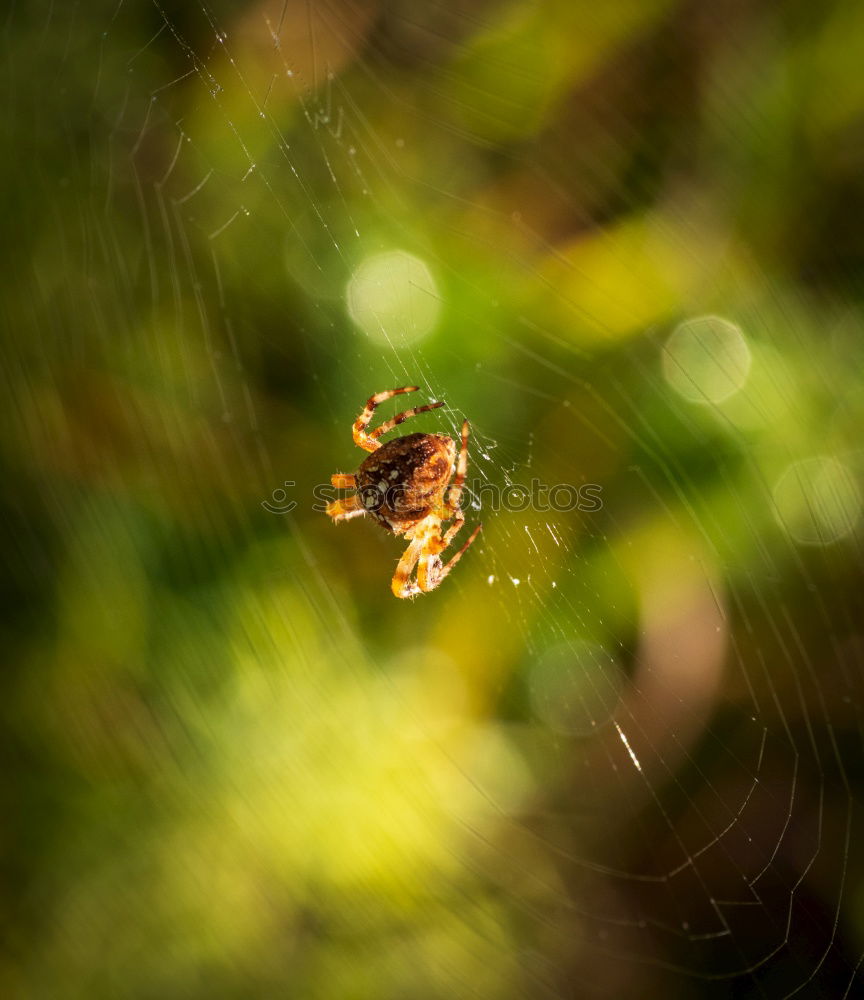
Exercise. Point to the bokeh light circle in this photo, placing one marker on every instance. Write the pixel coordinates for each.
(393, 298)
(706, 359)
(817, 501)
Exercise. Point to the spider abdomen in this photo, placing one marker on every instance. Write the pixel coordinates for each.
(405, 479)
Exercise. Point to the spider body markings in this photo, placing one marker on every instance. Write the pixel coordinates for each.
(405, 485)
(400, 482)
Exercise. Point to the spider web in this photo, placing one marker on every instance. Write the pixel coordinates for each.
(618, 753)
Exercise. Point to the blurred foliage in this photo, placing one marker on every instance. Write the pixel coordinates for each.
(235, 766)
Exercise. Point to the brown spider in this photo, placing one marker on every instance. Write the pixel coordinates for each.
(402, 485)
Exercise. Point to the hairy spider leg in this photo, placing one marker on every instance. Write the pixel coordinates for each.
(402, 585)
(455, 494)
(342, 510)
(344, 481)
(361, 438)
(430, 572)
(405, 415)
(423, 552)
(458, 521)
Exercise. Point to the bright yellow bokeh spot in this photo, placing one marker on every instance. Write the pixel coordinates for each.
(393, 298)
(706, 359)
(817, 501)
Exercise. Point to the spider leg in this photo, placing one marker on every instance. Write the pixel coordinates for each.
(405, 415)
(342, 510)
(430, 572)
(455, 493)
(361, 438)
(343, 481)
(402, 585)
(458, 521)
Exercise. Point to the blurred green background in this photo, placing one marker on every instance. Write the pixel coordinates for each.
(618, 754)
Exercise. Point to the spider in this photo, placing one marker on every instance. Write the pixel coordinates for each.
(402, 485)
